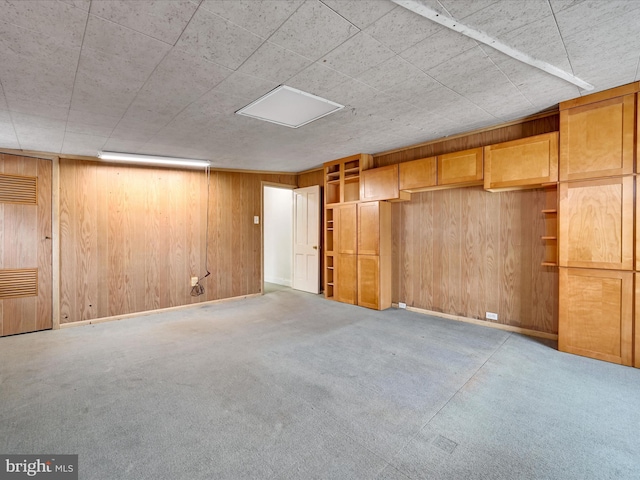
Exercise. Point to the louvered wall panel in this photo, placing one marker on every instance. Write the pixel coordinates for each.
(19, 283)
(18, 189)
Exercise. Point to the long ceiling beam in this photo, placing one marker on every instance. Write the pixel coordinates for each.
(418, 7)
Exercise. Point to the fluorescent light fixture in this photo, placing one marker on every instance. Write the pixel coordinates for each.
(289, 107)
(152, 160)
(418, 7)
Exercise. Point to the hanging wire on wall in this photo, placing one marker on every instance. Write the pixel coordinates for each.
(198, 288)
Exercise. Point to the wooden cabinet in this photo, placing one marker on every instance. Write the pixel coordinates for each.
(418, 174)
(596, 223)
(342, 178)
(636, 343)
(374, 255)
(381, 184)
(527, 162)
(345, 289)
(597, 139)
(346, 229)
(595, 317)
(460, 168)
(374, 281)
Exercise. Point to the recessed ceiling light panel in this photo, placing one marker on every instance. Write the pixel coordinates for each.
(289, 107)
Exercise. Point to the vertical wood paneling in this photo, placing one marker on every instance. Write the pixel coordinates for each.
(142, 230)
(466, 251)
(44, 310)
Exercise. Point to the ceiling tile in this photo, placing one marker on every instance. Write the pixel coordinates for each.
(92, 119)
(262, 17)
(8, 138)
(178, 80)
(245, 86)
(218, 40)
(161, 19)
(27, 105)
(559, 5)
(589, 15)
(361, 13)
(81, 144)
(41, 139)
(86, 129)
(504, 16)
(462, 8)
(389, 73)
(358, 54)
(122, 145)
(438, 49)
(313, 30)
(53, 19)
(317, 79)
(272, 62)
(23, 123)
(541, 40)
(402, 28)
(81, 4)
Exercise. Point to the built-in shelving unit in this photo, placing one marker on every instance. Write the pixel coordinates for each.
(550, 237)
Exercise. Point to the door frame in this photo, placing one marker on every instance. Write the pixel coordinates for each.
(284, 186)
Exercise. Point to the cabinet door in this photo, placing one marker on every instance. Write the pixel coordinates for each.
(636, 343)
(529, 161)
(369, 228)
(418, 174)
(346, 229)
(596, 140)
(369, 281)
(345, 285)
(460, 167)
(379, 183)
(595, 314)
(596, 224)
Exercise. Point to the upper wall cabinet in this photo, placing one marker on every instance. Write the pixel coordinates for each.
(527, 162)
(381, 184)
(596, 140)
(419, 174)
(460, 168)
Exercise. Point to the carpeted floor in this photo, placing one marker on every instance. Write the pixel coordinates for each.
(291, 386)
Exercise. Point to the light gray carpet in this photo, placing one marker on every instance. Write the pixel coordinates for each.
(291, 386)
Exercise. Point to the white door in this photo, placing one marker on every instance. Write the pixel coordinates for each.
(306, 239)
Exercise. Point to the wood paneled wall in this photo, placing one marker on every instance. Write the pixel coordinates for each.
(310, 178)
(131, 237)
(26, 243)
(496, 135)
(466, 252)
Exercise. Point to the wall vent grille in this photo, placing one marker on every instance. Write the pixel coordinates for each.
(18, 189)
(19, 283)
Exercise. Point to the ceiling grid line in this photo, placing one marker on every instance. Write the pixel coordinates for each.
(506, 76)
(13, 125)
(75, 77)
(564, 45)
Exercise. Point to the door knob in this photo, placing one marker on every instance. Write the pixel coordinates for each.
(315, 247)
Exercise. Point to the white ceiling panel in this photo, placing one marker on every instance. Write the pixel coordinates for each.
(161, 19)
(358, 54)
(313, 30)
(505, 16)
(317, 79)
(82, 144)
(262, 17)
(275, 63)
(52, 19)
(362, 13)
(218, 40)
(165, 77)
(401, 28)
(438, 49)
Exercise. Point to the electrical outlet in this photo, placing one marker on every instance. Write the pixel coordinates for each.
(402, 305)
(491, 316)
(194, 281)
(256, 220)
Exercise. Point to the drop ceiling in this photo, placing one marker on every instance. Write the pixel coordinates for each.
(166, 77)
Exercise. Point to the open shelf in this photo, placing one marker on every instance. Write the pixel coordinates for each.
(550, 217)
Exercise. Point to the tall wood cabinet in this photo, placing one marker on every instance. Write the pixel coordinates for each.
(597, 226)
(357, 238)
